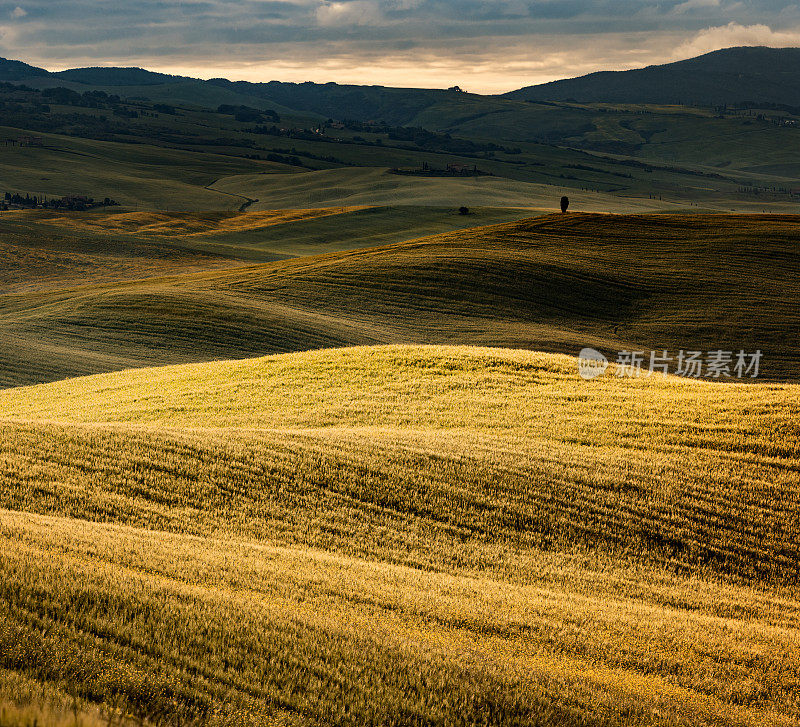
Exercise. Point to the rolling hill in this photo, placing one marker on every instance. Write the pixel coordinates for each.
(381, 187)
(136, 175)
(728, 76)
(317, 100)
(403, 535)
(554, 283)
(48, 250)
(136, 82)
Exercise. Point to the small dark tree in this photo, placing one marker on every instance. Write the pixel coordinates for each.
(463, 210)
(564, 203)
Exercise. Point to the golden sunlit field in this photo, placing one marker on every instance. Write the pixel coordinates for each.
(403, 535)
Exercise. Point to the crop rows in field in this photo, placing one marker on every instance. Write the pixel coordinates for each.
(229, 630)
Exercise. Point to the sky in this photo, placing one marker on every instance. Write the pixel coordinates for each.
(483, 46)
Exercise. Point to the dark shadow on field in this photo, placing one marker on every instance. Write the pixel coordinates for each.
(555, 283)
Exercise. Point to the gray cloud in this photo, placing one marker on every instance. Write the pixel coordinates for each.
(482, 44)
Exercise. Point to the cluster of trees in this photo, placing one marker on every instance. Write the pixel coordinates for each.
(89, 99)
(37, 110)
(83, 125)
(270, 130)
(770, 190)
(430, 140)
(97, 100)
(72, 202)
(451, 170)
(587, 168)
(423, 138)
(126, 113)
(292, 157)
(248, 115)
(752, 105)
(293, 161)
(301, 134)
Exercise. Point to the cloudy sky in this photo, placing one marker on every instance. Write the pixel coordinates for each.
(481, 45)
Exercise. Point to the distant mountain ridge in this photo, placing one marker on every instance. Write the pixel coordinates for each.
(19, 71)
(363, 103)
(105, 76)
(729, 76)
(11, 70)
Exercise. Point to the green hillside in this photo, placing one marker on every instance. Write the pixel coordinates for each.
(728, 76)
(135, 175)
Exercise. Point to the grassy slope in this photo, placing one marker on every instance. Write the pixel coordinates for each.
(377, 186)
(361, 227)
(683, 144)
(554, 283)
(253, 236)
(42, 256)
(45, 250)
(405, 535)
(690, 136)
(747, 144)
(751, 150)
(132, 174)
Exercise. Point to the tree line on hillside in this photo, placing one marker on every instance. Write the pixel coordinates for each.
(38, 110)
(69, 202)
(421, 137)
(61, 110)
(453, 169)
(249, 115)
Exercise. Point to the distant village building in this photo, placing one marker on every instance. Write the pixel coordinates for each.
(30, 141)
(24, 141)
(463, 169)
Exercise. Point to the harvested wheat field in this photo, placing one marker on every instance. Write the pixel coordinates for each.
(402, 535)
(177, 223)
